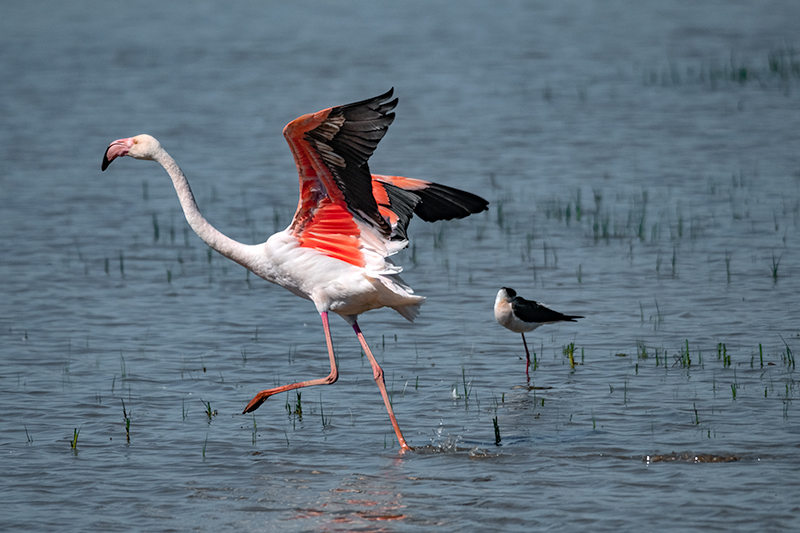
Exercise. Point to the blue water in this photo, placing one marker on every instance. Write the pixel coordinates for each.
(643, 170)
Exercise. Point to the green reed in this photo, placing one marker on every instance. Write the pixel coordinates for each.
(127, 419)
(74, 442)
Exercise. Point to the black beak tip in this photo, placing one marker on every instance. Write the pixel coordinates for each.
(106, 162)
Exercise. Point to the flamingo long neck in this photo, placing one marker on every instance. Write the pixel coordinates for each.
(235, 250)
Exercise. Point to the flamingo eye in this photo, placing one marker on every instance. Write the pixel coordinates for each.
(135, 141)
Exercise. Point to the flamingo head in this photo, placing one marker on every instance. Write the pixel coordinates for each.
(139, 147)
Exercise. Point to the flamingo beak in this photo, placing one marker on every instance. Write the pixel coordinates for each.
(118, 148)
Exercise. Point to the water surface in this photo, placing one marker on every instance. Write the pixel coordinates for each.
(642, 167)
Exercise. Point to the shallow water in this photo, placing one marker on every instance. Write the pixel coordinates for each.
(642, 166)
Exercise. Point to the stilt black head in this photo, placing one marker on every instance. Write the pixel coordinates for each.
(510, 292)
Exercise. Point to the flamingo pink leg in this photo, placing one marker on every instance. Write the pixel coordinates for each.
(331, 378)
(377, 373)
(527, 356)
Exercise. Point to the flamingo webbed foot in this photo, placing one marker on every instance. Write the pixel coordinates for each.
(256, 402)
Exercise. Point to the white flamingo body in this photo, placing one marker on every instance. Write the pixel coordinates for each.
(348, 222)
(334, 285)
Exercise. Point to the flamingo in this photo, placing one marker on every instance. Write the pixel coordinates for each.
(520, 315)
(335, 252)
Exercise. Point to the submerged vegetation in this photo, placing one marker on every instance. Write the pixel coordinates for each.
(779, 65)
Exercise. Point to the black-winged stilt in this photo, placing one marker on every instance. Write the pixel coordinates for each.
(521, 315)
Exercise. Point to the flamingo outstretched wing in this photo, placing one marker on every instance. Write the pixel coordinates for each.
(331, 149)
(400, 198)
(340, 199)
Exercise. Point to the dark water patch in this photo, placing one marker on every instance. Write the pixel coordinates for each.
(689, 457)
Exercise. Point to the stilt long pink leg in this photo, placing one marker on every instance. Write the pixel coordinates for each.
(527, 356)
(377, 373)
(331, 378)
